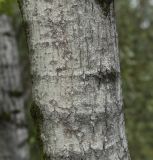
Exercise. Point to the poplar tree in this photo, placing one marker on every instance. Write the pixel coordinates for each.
(13, 127)
(77, 99)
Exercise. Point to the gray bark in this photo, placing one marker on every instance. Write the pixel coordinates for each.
(77, 102)
(13, 128)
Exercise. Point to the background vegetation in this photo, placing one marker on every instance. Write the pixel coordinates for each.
(135, 27)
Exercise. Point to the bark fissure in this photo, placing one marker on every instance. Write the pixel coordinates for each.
(105, 4)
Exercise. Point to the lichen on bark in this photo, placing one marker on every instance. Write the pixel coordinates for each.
(76, 79)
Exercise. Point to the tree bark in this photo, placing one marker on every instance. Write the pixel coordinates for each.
(13, 129)
(77, 102)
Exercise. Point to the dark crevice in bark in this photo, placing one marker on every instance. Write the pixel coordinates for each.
(15, 94)
(5, 116)
(38, 118)
(105, 5)
(105, 76)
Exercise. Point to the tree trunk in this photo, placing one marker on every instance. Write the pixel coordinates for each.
(77, 102)
(13, 129)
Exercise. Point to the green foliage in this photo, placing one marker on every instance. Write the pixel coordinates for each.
(8, 7)
(135, 26)
(1, 1)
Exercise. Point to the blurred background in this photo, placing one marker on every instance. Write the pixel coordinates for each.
(135, 29)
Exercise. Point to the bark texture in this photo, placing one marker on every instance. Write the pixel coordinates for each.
(13, 129)
(77, 102)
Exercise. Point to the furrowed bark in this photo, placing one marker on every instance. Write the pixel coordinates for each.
(13, 128)
(77, 102)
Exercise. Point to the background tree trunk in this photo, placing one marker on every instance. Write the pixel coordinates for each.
(13, 129)
(77, 102)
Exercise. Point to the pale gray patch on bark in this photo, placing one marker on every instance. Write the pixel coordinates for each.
(77, 102)
(13, 127)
